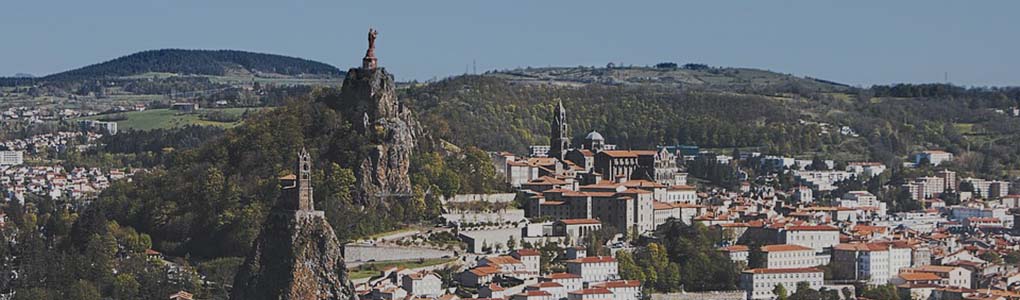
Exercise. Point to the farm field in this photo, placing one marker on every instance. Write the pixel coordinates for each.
(167, 118)
(372, 269)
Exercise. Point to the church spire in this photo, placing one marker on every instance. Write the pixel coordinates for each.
(559, 142)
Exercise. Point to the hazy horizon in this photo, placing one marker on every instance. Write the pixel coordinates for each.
(853, 43)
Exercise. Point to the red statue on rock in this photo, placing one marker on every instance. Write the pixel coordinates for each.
(369, 62)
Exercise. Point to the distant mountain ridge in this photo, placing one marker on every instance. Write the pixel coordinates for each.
(199, 62)
(692, 75)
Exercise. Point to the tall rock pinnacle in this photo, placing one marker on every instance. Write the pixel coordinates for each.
(368, 98)
(297, 254)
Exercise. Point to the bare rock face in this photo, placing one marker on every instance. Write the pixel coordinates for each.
(369, 99)
(296, 256)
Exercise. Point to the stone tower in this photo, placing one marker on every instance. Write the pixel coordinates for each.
(558, 140)
(296, 255)
(304, 183)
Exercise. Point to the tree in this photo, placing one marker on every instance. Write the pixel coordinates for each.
(700, 266)
(550, 252)
(887, 291)
(951, 197)
(805, 292)
(511, 243)
(779, 291)
(125, 287)
(755, 257)
(629, 270)
(652, 266)
(966, 186)
(992, 257)
(35, 293)
(1013, 257)
(83, 290)
(818, 164)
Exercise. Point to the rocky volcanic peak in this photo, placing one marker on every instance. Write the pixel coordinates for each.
(369, 98)
(294, 258)
(297, 254)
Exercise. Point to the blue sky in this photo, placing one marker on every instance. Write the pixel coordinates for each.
(855, 42)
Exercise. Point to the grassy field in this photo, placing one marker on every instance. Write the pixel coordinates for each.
(964, 128)
(166, 118)
(372, 269)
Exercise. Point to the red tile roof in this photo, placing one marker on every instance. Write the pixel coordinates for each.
(484, 270)
(735, 248)
(527, 252)
(592, 291)
(620, 153)
(635, 191)
(580, 221)
(661, 205)
(502, 260)
(784, 247)
(865, 247)
(683, 188)
(812, 228)
(619, 284)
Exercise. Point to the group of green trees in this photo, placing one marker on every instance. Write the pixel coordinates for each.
(706, 167)
(468, 172)
(804, 291)
(464, 110)
(208, 201)
(682, 256)
(650, 265)
(58, 253)
(208, 190)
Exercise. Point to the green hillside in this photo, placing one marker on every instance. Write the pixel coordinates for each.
(167, 118)
(745, 80)
(199, 62)
(802, 117)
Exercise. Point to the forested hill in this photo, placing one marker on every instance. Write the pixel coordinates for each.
(497, 114)
(501, 112)
(696, 76)
(199, 62)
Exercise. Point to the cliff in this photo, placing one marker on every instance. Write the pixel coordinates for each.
(297, 254)
(294, 257)
(368, 97)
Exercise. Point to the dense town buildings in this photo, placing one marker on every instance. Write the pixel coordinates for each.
(816, 222)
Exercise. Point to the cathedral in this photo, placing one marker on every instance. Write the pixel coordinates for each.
(594, 160)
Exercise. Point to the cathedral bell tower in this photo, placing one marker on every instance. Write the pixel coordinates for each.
(559, 143)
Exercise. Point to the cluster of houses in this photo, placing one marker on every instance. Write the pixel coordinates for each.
(36, 115)
(52, 142)
(938, 252)
(56, 182)
(515, 276)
